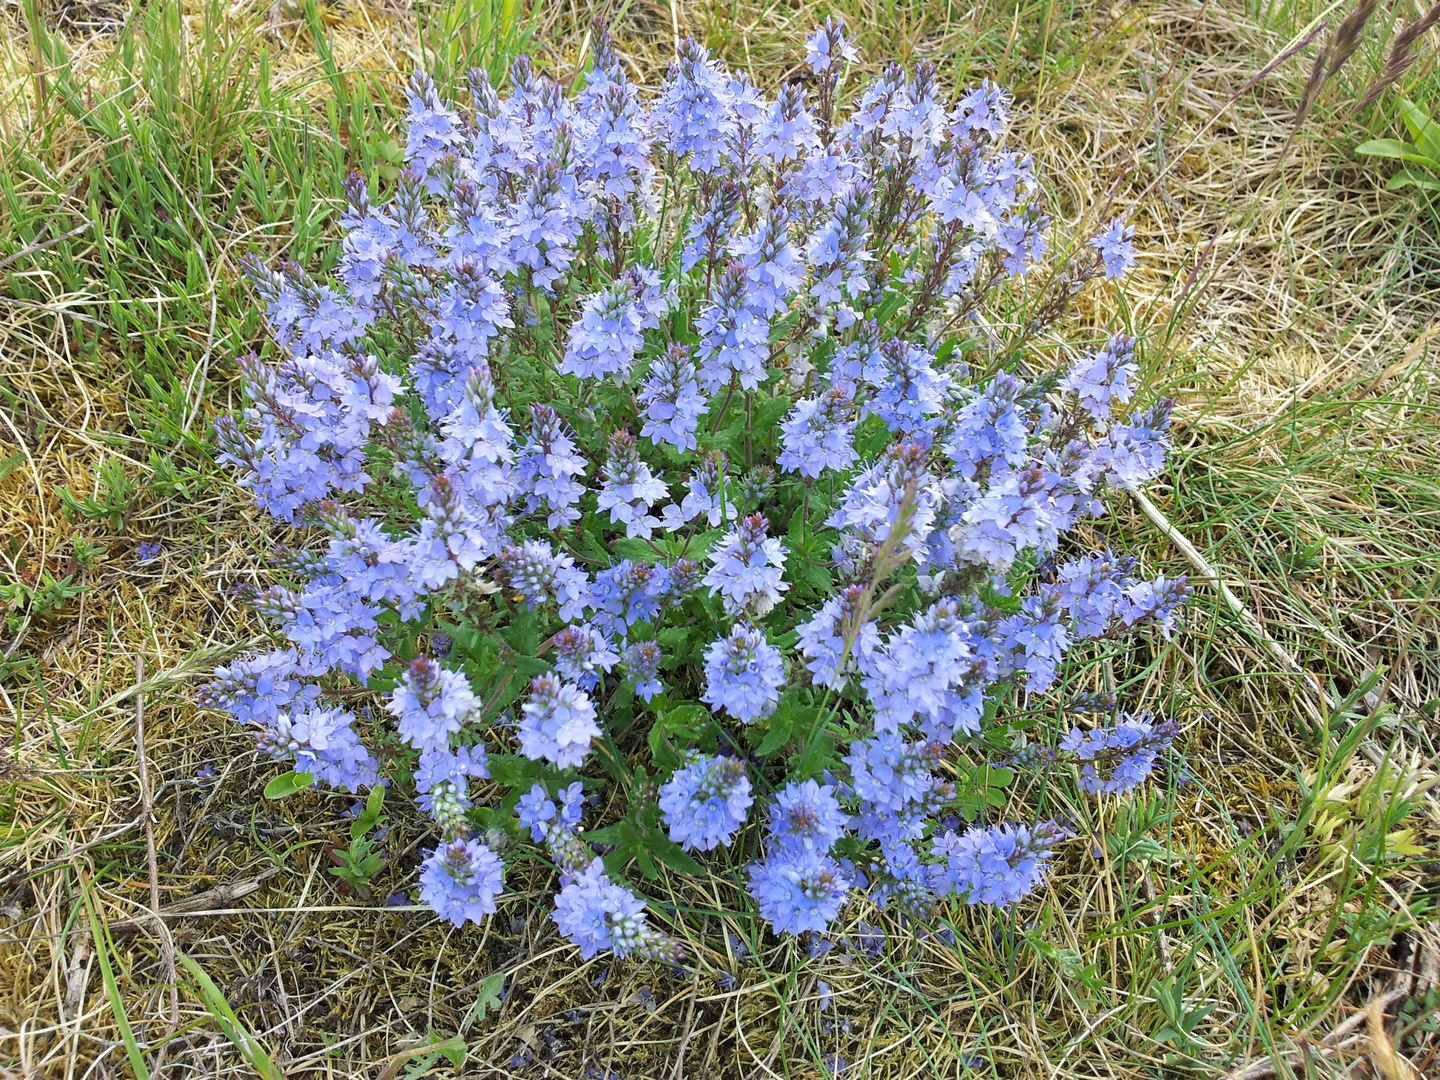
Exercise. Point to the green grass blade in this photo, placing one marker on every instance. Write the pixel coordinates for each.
(218, 1007)
(112, 990)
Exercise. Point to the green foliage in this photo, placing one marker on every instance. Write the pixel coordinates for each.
(100, 938)
(45, 597)
(86, 551)
(1178, 1030)
(287, 784)
(458, 35)
(640, 837)
(1421, 156)
(452, 1050)
(233, 1028)
(113, 499)
(356, 864)
(489, 996)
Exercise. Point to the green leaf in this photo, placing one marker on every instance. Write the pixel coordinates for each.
(523, 633)
(453, 1048)
(814, 574)
(672, 854)
(287, 784)
(872, 436)
(608, 834)
(489, 998)
(515, 771)
(636, 550)
(661, 752)
(1393, 148)
(628, 846)
(1410, 178)
(1422, 129)
(770, 412)
(676, 643)
(776, 737)
(369, 817)
(998, 777)
(811, 762)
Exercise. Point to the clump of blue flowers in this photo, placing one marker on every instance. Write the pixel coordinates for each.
(660, 443)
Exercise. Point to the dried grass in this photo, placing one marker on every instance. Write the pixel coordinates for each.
(1276, 300)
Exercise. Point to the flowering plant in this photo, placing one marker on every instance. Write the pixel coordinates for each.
(666, 445)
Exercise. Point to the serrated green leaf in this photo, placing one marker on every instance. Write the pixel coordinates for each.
(608, 834)
(523, 633)
(488, 998)
(688, 713)
(287, 784)
(661, 752)
(775, 738)
(813, 574)
(636, 550)
(813, 761)
(513, 770)
(769, 412)
(672, 854)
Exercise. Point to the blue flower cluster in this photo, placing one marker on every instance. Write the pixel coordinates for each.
(591, 909)
(705, 802)
(768, 290)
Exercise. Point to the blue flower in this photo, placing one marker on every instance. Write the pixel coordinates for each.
(805, 818)
(1092, 589)
(430, 704)
(547, 467)
(630, 489)
(672, 399)
(787, 131)
(608, 335)
(1103, 377)
(734, 334)
(1118, 758)
(1130, 454)
(628, 593)
(694, 114)
(558, 723)
(908, 390)
(1156, 602)
(743, 674)
(999, 864)
(798, 891)
(819, 434)
(642, 663)
(823, 640)
(774, 266)
(583, 654)
(827, 47)
(1116, 245)
(594, 913)
(706, 802)
(323, 743)
(748, 569)
(1036, 639)
(460, 880)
